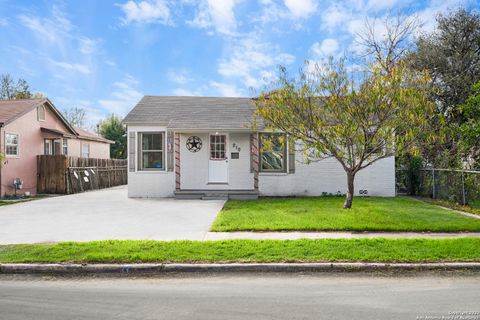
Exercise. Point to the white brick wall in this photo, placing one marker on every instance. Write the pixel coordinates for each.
(194, 169)
(328, 176)
(149, 184)
(308, 179)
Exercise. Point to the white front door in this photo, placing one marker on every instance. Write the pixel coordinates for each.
(218, 163)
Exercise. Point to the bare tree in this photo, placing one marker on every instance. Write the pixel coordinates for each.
(76, 116)
(386, 47)
(10, 90)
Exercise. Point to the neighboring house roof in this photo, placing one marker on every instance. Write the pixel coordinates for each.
(87, 135)
(13, 109)
(193, 112)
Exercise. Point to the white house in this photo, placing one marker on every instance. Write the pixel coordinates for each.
(205, 147)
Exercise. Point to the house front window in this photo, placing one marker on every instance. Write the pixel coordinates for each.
(151, 151)
(85, 150)
(273, 152)
(11, 144)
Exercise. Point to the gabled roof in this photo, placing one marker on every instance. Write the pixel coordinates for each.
(193, 112)
(13, 109)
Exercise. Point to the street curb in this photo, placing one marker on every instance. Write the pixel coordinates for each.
(155, 268)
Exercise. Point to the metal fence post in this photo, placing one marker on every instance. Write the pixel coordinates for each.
(463, 189)
(433, 182)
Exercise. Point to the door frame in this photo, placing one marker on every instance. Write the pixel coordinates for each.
(227, 140)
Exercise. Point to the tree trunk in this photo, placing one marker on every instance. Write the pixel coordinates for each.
(350, 191)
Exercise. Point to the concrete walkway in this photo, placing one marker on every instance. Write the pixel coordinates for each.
(334, 235)
(106, 214)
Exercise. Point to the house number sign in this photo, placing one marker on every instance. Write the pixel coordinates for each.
(236, 147)
(194, 144)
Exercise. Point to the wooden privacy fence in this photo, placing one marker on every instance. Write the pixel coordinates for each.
(59, 174)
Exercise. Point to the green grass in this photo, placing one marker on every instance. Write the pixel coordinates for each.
(473, 207)
(326, 213)
(130, 251)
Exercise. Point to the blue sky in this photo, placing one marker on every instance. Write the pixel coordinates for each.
(104, 56)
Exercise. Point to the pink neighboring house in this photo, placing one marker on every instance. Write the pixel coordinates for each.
(32, 127)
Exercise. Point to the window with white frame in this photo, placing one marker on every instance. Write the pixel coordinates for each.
(217, 147)
(41, 113)
(151, 151)
(273, 152)
(48, 147)
(65, 146)
(85, 150)
(11, 144)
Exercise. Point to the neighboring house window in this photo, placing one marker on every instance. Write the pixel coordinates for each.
(41, 113)
(217, 147)
(272, 152)
(48, 147)
(151, 145)
(51, 146)
(11, 144)
(85, 150)
(65, 146)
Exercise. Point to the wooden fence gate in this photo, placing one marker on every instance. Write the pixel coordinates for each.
(59, 174)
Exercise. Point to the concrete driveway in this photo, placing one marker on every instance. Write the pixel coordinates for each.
(106, 214)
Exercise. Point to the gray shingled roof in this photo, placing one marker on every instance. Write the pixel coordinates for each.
(193, 112)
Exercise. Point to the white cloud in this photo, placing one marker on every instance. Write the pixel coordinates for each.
(88, 46)
(328, 47)
(57, 30)
(301, 8)
(335, 16)
(226, 90)
(378, 5)
(187, 92)
(249, 59)
(124, 96)
(179, 76)
(146, 12)
(429, 14)
(75, 67)
(217, 14)
(111, 63)
(43, 28)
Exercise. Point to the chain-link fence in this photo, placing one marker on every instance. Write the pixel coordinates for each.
(459, 186)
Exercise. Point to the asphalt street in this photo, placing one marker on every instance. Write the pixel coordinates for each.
(247, 296)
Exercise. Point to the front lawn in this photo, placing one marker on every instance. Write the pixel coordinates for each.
(320, 250)
(326, 213)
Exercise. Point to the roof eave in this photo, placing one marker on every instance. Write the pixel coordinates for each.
(24, 112)
(95, 139)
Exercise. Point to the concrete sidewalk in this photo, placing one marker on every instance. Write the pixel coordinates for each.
(295, 235)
